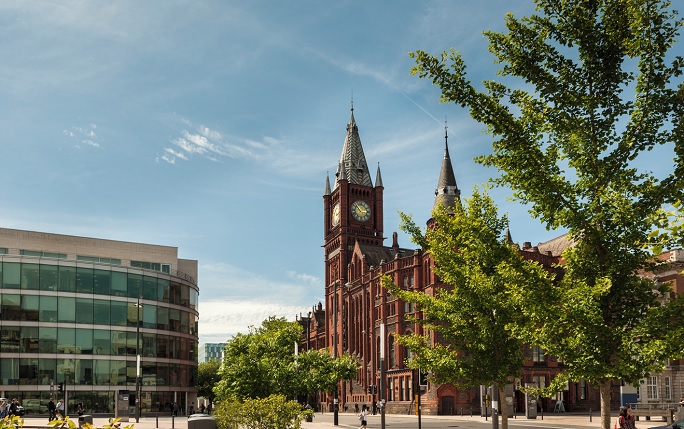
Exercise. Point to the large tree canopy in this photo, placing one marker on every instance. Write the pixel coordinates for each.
(596, 91)
(473, 315)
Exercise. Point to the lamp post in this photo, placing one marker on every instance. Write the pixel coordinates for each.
(335, 398)
(382, 376)
(137, 363)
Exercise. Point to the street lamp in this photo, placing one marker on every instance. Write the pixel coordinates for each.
(138, 403)
(335, 398)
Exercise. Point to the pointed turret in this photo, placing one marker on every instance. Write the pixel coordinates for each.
(378, 178)
(327, 185)
(447, 192)
(352, 164)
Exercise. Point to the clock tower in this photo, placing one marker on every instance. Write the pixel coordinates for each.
(353, 211)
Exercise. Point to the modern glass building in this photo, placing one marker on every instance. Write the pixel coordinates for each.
(77, 311)
(211, 351)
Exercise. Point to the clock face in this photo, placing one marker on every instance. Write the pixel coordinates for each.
(336, 215)
(360, 210)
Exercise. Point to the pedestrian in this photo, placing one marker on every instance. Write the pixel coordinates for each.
(13, 408)
(209, 408)
(60, 409)
(79, 409)
(52, 410)
(192, 409)
(202, 408)
(362, 416)
(626, 419)
(175, 409)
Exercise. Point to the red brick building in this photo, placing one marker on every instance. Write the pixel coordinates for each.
(356, 304)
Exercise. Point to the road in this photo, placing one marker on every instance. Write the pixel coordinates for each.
(393, 421)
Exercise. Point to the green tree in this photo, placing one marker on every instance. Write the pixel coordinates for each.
(471, 254)
(273, 412)
(263, 363)
(260, 363)
(207, 377)
(597, 90)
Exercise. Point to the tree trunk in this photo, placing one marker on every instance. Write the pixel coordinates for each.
(604, 387)
(503, 407)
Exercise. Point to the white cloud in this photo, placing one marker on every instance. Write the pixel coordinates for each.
(85, 135)
(222, 319)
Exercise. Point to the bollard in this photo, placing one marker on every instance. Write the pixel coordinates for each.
(589, 415)
(173, 421)
(157, 417)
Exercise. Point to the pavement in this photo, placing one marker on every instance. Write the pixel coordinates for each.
(349, 420)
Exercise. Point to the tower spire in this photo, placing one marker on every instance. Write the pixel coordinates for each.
(447, 192)
(352, 163)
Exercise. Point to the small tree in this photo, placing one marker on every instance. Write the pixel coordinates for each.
(207, 378)
(473, 313)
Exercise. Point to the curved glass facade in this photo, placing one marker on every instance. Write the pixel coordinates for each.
(81, 323)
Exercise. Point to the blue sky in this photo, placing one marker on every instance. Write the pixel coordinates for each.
(211, 126)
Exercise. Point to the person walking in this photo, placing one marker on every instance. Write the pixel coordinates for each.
(362, 416)
(60, 409)
(626, 419)
(52, 410)
(14, 407)
(175, 409)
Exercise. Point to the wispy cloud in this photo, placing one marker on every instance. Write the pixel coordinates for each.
(278, 154)
(83, 135)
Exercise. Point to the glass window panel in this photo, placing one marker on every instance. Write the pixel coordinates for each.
(84, 341)
(149, 288)
(119, 313)
(66, 370)
(67, 309)
(28, 371)
(66, 340)
(11, 275)
(47, 371)
(11, 307)
(118, 372)
(30, 339)
(67, 279)
(164, 287)
(134, 285)
(101, 372)
(48, 340)
(149, 316)
(131, 370)
(185, 322)
(148, 372)
(49, 277)
(175, 293)
(102, 281)
(119, 339)
(10, 337)
(149, 345)
(185, 296)
(131, 343)
(163, 318)
(83, 372)
(134, 314)
(162, 374)
(194, 296)
(9, 371)
(84, 280)
(102, 342)
(163, 346)
(30, 276)
(48, 308)
(174, 320)
(84, 310)
(102, 310)
(30, 307)
(119, 284)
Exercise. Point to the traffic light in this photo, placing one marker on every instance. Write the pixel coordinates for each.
(60, 387)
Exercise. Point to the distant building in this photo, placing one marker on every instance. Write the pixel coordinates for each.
(76, 312)
(210, 351)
